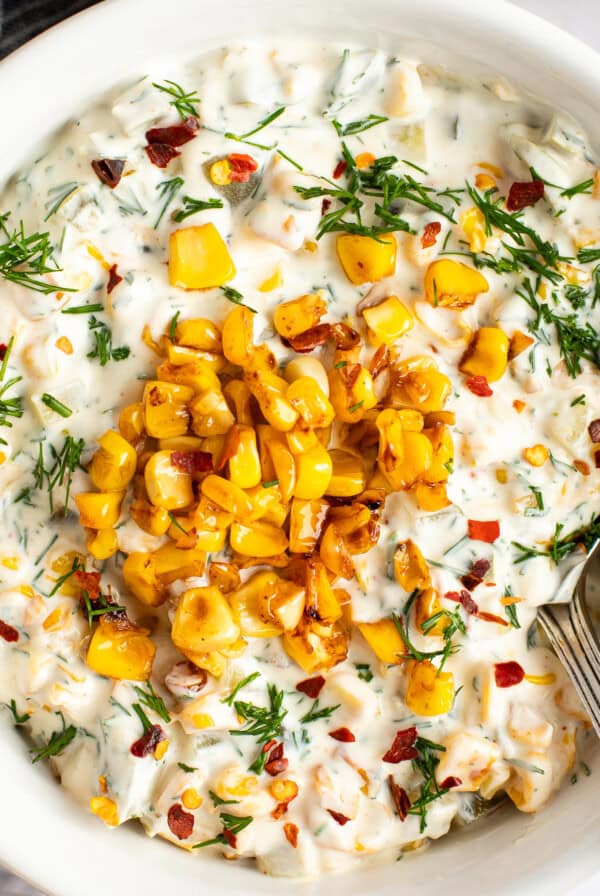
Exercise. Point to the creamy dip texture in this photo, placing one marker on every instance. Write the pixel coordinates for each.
(383, 676)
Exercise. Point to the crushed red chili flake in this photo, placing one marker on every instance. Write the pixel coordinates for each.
(311, 686)
(337, 816)
(279, 811)
(268, 746)
(430, 234)
(276, 763)
(325, 206)
(230, 837)
(231, 444)
(176, 134)
(479, 386)
(8, 633)
(343, 734)
(109, 171)
(148, 742)
(3, 350)
(476, 574)
(160, 154)
(291, 833)
(400, 798)
(450, 782)
(403, 746)
(524, 193)
(114, 278)
(484, 530)
(339, 169)
(181, 823)
(89, 582)
(241, 166)
(508, 674)
(594, 431)
(491, 617)
(192, 461)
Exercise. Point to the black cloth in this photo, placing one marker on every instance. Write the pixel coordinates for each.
(20, 20)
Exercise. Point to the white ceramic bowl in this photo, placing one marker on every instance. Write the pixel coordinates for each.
(43, 836)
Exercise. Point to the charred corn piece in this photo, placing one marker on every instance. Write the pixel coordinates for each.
(519, 342)
(131, 422)
(257, 539)
(102, 544)
(384, 640)
(472, 222)
(99, 510)
(200, 333)
(307, 366)
(198, 258)
(443, 454)
(251, 606)
(313, 473)
(166, 484)
(285, 468)
(302, 438)
(294, 317)
(227, 495)
(430, 497)
(141, 577)
(427, 606)
(417, 383)
(270, 393)
(348, 474)
(211, 415)
(388, 321)
(172, 563)
(364, 259)
(487, 354)
(306, 523)
(165, 409)
(452, 284)
(287, 605)
(151, 519)
(351, 392)
(429, 692)
(121, 653)
(410, 569)
(113, 465)
(335, 554)
(239, 398)
(244, 465)
(307, 398)
(316, 647)
(238, 335)
(203, 622)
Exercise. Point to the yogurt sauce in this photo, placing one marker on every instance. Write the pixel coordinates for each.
(448, 132)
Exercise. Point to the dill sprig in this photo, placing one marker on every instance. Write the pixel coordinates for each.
(12, 708)
(315, 713)
(263, 123)
(58, 196)
(167, 190)
(60, 472)
(229, 701)
(561, 546)
(233, 295)
(103, 347)
(191, 206)
(13, 406)
(357, 127)
(233, 824)
(25, 257)
(454, 624)
(151, 700)
(264, 722)
(426, 763)
(98, 606)
(57, 743)
(185, 102)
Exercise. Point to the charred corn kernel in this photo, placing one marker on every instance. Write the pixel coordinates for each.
(316, 647)
(191, 799)
(64, 345)
(151, 519)
(160, 750)
(149, 340)
(211, 415)
(63, 564)
(198, 332)
(193, 369)
(348, 474)
(239, 398)
(308, 367)
(220, 173)
(125, 654)
(335, 554)
(166, 484)
(165, 409)
(227, 495)
(287, 606)
(410, 569)
(443, 454)
(348, 519)
(301, 438)
(266, 504)
(321, 601)
(487, 354)
(258, 539)
(272, 282)
(427, 606)
(184, 443)
(283, 790)
(430, 497)
(364, 259)
(417, 383)
(384, 640)
(473, 223)
(131, 422)
(198, 258)
(294, 317)
(211, 541)
(351, 392)
(519, 342)
(55, 620)
(388, 321)
(113, 464)
(99, 510)
(502, 476)
(251, 606)
(102, 544)
(269, 390)
(403, 457)
(452, 284)
(225, 576)
(238, 334)
(485, 182)
(314, 469)
(306, 397)
(285, 468)
(306, 523)
(536, 455)
(364, 160)
(203, 621)
(547, 679)
(172, 563)
(106, 809)
(244, 465)
(141, 577)
(429, 692)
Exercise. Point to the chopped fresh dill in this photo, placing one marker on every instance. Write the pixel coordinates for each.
(364, 671)
(103, 348)
(426, 763)
(173, 325)
(152, 701)
(264, 723)
(560, 547)
(232, 824)
(13, 406)
(83, 309)
(58, 196)
(263, 123)
(17, 718)
(185, 102)
(167, 189)
(57, 743)
(315, 713)
(357, 127)
(242, 684)
(24, 257)
(191, 206)
(232, 295)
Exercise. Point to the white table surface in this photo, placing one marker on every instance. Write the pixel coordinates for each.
(582, 18)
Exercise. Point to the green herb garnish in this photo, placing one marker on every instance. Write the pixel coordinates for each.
(184, 101)
(152, 701)
(58, 196)
(264, 723)
(232, 295)
(103, 347)
(357, 127)
(191, 206)
(55, 405)
(23, 258)
(57, 743)
(242, 684)
(167, 189)
(315, 713)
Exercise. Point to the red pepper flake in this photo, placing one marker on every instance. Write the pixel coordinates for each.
(311, 686)
(148, 742)
(400, 798)
(230, 837)
(337, 816)
(3, 350)
(109, 171)
(484, 530)
(291, 833)
(465, 600)
(522, 194)
(343, 734)
(339, 169)
(160, 154)
(593, 429)
(325, 206)
(231, 444)
(279, 811)
(89, 582)
(508, 674)
(8, 633)
(241, 166)
(192, 461)
(476, 574)
(276, 763)
(430, 234)
(450, 782)
(479, 386)
(491, 617)
(181, 823)
(268, 746)
(176, 134)
(114, 278)
(403, 746)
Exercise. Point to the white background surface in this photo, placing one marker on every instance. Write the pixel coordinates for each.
(581, 18)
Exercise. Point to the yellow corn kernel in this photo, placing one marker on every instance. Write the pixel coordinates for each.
(198, 258)
(485, 182)
(403, 456)
(131, 422)
(269, 390)
(364, 259)
(258, 539)
(384, 640)
(283, 790)
(348, 474)
(472, 222)
(487, 354)
(166, 484)
(172, 563)
(238, 334)
(220, 173)
(160, 750)
(251, 606)
(519, 342)
(99, 510)
(165, 409)
(2, 457)
(388, 321)
(294, 317)
(321, 600)
(65, 563)
(191, 799)
(102, 784)
(502, 476)
(574, 276)
(364, 160)
(55, 620)
(335, 554)
(106, 809)
(272, 282)
(430, 497)
(113, 465)
(211, 415)
(429, 692)
(287, 606)
(200, 333)
(64, 345)
(124, 654)
(239, 397)
(443, 454)
(11, 562)
(306, 397)
(301, 438)
(244, 465)
(225, 576)
(203, 622)
(493, 169)
(351, 392)
(316, 647)
(547, 679)
(306, 522)
(410, 569)
(189, 367)
(314, 469)
(227, 495)
(141, 577)
(536, 455)
(426, 606)
(27, 590)
(266, 504)
(285, 468)
(102, 544)
(151, 519)
(452, 284)
(417, 383)
(307, 366)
